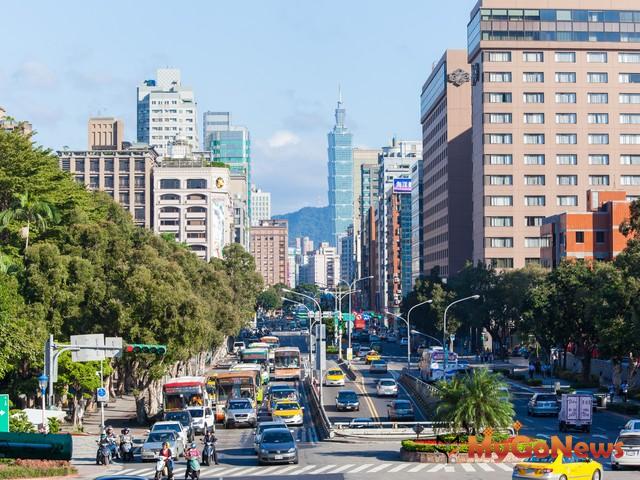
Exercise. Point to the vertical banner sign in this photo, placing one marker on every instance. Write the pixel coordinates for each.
(4, 413)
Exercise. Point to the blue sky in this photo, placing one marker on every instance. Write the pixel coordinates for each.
(275, 64)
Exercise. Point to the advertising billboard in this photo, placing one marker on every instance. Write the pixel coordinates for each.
(401, 185)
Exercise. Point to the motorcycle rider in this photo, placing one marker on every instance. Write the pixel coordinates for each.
(209, 437)
(115, 451)
(102, 443)
(192, 453)
(125, 437)
(168, 456)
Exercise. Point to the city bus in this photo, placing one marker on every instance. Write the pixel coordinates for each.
(431, 365)
(231, 385)
(272, 341)
(286, 363)
(182, 392)
(259, 376)
(257, 356)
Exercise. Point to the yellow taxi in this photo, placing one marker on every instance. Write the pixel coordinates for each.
(289, 411)
(570, 467)
(334, 378)
(371, 356)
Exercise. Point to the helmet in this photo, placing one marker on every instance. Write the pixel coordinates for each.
(126, 430)
(109, 429)
(193, 445)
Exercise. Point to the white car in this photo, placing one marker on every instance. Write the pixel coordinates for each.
(202, 419)
(632, 426)
(238, 347)
(630, 451)
(387, 387)
(174, 427)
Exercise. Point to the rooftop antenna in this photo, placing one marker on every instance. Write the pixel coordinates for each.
(339, 93)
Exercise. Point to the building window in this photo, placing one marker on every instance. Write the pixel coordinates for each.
(629, 57)
(498, 117)
(498, 77)
(598, 180)
(597, 77)
(567, 159)
(565, 77)
(500, 262)
(630, 180)
(579, 237)
(534, 159)
(533, 77)
(535, 200)
(598, 139)
(566, 57)
(196, 210)
(630, 118)
(566, 97)
(630, 98)
(498, 159)
(497, 56)
(566, 138)
(139, 198)
(599, 237)
(630, 160)
(536, 118)
(80, 179)
(108, 164)
(196, 197)
(108, 181)
(629, 139)
(534, 180)
(169, 197)
(533, 97)
(498, 138)
(139, 214)
(598, 118)
(602, 159)
(124, 165)
(500, 200)
(500, 221)
(94, 181)
(533, 221)
(535, 57)
(533, 139)
(139, 165)
(536, 242)
(566, 118)
(79, 165)
(94, 165)
(170, 183)
(629, 78)
(567, 201)
(196, 183)
(196, 235)
(499, 242)
(123, 181)
(567, 179)
(598, 98)
(498, 179)
(65, 164)
(495, 97)
(123, 198)
(597, 57)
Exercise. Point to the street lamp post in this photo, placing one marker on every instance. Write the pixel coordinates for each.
(320, 336)
(444, 328)
(338, 300)
(285, 299)
(407, 321)
(42, 382)
(351, 287)
(415, 332)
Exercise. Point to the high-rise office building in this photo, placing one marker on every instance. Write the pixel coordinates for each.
(105, 133)
(446, 136)
(555, 111)
(322, 267)
(366, 243)
(269, 247)
(398, 244)
(241, 221)
(213, 122)
(347, 255)
(417, 226)
(166, 109)
(340, 155)
(260, 205)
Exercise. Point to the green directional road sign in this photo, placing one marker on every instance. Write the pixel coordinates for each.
(4, 413)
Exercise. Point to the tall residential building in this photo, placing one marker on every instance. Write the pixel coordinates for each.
(304, 244)
(340, 155)
(241, 221)
(398, 244)
(260, 205)
(269, 247)
(292, 256)
(125, 174)
(322, 268)
(9, 124)
(366, 244)
(394, 175)
(166, 109)
(105, 133)
(417, 226)
(192, 200)
(347, 255)
(446, 136)
(555, 111)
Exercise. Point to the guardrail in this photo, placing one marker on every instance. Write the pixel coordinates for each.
(318, 414)
(344, 366)
(386, 430)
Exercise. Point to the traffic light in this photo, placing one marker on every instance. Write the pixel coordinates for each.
(144, 348)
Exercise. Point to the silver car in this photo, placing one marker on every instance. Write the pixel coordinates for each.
(631, 451)
(153, 444)
(240, 412)
(387, 387)
(277, 445)
(543, 404)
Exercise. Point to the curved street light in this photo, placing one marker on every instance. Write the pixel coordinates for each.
(407, 321)
(444, 327)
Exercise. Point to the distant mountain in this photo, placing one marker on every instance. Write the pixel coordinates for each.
(312, 222)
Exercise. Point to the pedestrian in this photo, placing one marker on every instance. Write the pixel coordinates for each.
(532, 370)
(612, 392)
(624, 390)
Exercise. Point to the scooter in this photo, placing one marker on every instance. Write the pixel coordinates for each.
(193, 469)
(126, 451)
(162, 469)
(103, 456)
(209, 454)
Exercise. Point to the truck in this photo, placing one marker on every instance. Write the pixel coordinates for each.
(576, 411)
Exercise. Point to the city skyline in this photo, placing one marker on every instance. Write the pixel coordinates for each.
(58, 87)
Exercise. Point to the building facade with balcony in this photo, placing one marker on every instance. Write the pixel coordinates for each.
(270, 249)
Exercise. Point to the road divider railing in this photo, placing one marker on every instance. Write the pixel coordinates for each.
(318, 414)
(346, 368)
(389, 430)
(421, 392)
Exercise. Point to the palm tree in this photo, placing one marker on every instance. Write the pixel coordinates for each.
(30, 209)
(474, 402)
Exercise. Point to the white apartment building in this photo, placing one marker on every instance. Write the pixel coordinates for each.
(322, 268)
(192, 201)
(260, 205)
(166, 109)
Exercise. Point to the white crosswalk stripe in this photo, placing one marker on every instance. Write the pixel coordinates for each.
(449, 469)
(302, 470)
(436, 468)
(505, 467)
(322, 469)
(418, 468)
(380, 467)
(341, 468)
(282, 471)
(402, 466)
(467, 467)
(486, 467)
(361, 468)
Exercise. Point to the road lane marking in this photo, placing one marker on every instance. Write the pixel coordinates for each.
(227, 471)
(374, 412)
(361, 467)
(380, 467)
(436, 468)
(506, 468)
(402, 466)
(341, 468)
(418, 468)
(246, 472)
(302, 470)
(322, 469)
(449, 469)
(212, 471)
(141, 471)
(284, 470)
(485, 467)
(467, 467)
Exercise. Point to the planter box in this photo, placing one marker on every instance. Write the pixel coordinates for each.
(436, 457)
(422, 457)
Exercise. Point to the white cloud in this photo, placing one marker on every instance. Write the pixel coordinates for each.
(35, 74)
(283, 138)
